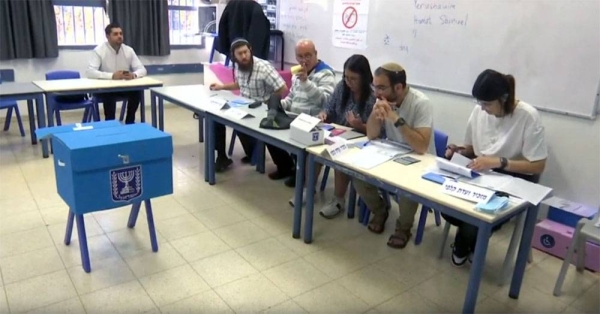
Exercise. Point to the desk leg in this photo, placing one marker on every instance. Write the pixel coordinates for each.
(351, 202)
(211, 150)
(31, 121)
(41, 119)
(200, 127)
(524, 248)
(483, 239)
(50, 109)
(143, 106)
(507, 265)
(299, 190)
(83, 247)
(260, 160)
(153, 108)
(161, 114)
(207, 139)
(310, 199)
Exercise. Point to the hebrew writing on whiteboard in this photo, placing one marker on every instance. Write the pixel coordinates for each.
(350, 20)
(426, 16)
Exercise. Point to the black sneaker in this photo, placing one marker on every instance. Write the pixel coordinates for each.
(457, 259)
(291, 181)
(222, 164)
(246, 160)
(278, 174)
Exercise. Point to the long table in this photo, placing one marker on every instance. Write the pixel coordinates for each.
(196, 98)
(91, 86)
(29, 92)
(406, 181)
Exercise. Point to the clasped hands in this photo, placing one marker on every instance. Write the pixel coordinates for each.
(383, 111)
(123, 75)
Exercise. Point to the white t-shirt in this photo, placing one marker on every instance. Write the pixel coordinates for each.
(417, 111)
(519, 135)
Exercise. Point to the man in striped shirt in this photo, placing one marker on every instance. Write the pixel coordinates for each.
(312, 86)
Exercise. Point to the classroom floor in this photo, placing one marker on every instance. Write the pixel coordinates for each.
(228, 248)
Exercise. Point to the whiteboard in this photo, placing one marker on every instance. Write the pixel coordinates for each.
(551, 47)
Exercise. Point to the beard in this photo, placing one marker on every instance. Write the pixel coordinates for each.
(246, 67)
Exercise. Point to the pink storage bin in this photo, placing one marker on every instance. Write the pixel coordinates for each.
(554, 238)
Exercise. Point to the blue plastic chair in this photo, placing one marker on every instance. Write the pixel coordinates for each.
(440, 142)
(11, 106)
(89, 113)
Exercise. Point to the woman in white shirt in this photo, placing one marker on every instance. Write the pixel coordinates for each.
(503, 134)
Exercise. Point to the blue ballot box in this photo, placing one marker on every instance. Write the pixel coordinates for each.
(105, 165)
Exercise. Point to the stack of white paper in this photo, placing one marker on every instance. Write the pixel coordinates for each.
(458, 165)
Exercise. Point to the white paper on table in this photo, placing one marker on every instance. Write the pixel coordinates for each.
(388, 148)
(460, 160)
(491, 180)
(236, 113)
(365, 159)
(531, 192)
(597, 224)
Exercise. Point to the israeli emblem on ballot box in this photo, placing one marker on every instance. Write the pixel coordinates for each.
(315, 136)
(126, 183)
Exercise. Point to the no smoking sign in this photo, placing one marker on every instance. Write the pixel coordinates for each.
(350, 17)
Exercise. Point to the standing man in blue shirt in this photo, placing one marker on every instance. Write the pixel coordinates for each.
(113, 60)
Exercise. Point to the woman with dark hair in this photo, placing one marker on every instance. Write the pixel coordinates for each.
(350, 105)
(503, 134)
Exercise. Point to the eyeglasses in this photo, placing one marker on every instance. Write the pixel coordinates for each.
(350, 79)
(379, 88)
(482, 103)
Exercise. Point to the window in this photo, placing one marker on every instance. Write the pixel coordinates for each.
(81, 23)
(184, 26)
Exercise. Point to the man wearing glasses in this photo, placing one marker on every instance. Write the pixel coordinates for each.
(312, 86)
(404, 115)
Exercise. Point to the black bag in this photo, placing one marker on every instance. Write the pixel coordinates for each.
(277, 118)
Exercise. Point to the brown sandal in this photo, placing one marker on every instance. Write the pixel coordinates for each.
(377, 224)
(399, 239)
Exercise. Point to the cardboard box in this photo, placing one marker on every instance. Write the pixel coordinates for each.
(304, 130)
(104, 165)
(555, 238)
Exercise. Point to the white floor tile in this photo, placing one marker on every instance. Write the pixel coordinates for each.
(205, 302)
(173, 285)
(29, 265)
(40, 291)
(223, 268)
(124, 298)
(251, 294)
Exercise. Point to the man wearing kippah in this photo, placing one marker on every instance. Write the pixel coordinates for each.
(256, 79)
(404, 115)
